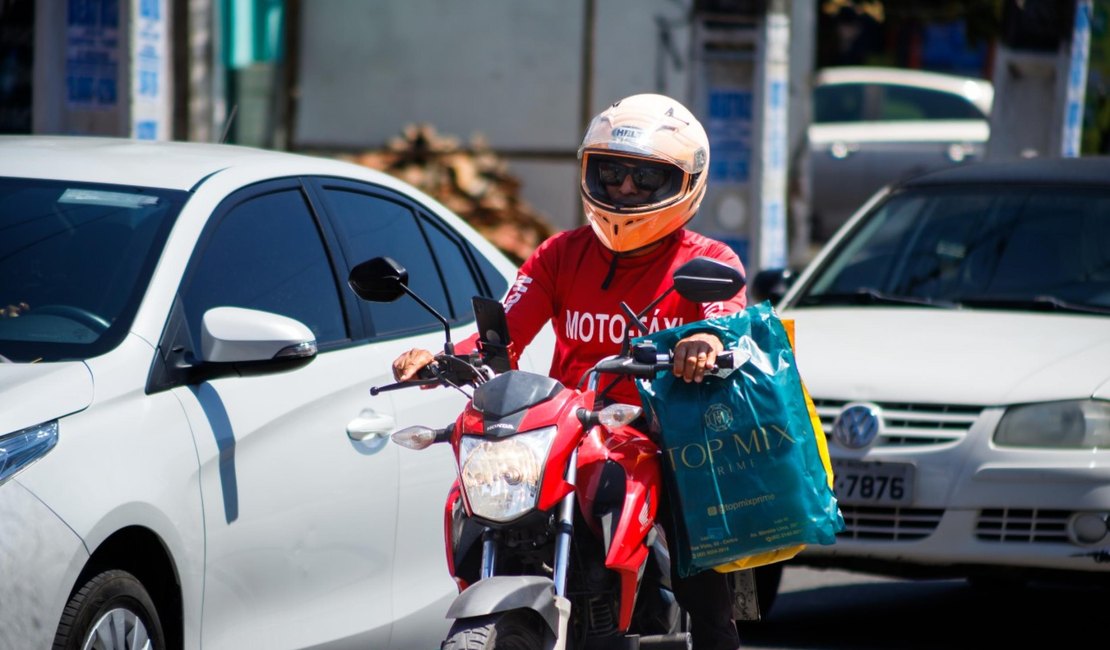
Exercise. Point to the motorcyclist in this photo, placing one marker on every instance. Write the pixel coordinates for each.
(643, 167)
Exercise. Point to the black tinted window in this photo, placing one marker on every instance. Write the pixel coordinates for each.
(375, 226)
(266, 253)
(457, 272)
(838, 103)
(75, 260)
(907, 103)
(976, 244)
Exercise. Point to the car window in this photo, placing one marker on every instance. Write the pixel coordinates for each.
(75, 259)
(458, 274)
(838, 103)
(374, 225)
(975, 245)
(266, 253)
(495, 283)
(909, 103)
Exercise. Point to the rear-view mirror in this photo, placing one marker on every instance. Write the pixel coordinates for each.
(380, 279)
(704, 279)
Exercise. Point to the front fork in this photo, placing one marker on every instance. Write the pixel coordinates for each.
(556, 613)
(564, 530)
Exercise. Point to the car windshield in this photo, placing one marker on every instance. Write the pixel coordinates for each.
(74, 261)
(996, 247)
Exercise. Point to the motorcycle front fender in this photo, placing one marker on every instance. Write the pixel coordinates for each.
(503, 593)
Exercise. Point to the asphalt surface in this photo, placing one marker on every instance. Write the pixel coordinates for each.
(826, 609)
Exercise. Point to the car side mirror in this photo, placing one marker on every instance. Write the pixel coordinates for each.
(237, 335)
(771, 285)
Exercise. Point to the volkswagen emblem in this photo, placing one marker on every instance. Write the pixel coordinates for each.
(858, 425)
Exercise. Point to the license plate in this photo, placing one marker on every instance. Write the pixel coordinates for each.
(873, 483)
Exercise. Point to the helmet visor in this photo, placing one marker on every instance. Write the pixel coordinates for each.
(626, 181)
(647, 177)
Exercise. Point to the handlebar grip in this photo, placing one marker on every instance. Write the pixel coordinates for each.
(725, 360)
(427, 372)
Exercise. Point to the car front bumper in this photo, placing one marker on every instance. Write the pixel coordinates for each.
(39, 555)
(976, 506)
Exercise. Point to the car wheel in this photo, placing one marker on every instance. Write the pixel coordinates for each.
(112, 611)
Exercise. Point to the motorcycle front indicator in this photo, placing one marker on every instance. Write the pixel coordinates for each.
(502, 476)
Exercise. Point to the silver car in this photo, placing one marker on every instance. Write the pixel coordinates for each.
(955, 337)
(872, 126)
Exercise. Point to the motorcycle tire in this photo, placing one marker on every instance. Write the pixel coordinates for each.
(512, 630)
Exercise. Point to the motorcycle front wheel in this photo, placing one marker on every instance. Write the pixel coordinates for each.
(512, 630)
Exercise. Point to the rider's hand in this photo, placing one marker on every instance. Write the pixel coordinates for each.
(695, 354)
(408, 364)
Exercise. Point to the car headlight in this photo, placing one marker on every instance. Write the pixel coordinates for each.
(1075, 424)
(502, 476)
(20, 449)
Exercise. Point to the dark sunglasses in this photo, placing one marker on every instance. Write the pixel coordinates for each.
(647, 177)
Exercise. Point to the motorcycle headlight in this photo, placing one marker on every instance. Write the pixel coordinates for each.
(502, 476)
(1076, 424)
(20, 449)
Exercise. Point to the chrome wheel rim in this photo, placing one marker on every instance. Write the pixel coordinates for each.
(118, 629)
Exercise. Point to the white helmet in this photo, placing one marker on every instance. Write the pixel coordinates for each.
(663, 146)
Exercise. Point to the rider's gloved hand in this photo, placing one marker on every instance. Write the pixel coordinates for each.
(696, 354)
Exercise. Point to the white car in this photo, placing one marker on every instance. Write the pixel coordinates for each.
(874, 125)
(189, 452)
(955, 337)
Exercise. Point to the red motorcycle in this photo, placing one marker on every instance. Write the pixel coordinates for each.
(550, 525)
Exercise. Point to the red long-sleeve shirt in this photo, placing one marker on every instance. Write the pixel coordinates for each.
(562, 282)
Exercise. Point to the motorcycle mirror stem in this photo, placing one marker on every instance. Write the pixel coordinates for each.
(448, 346)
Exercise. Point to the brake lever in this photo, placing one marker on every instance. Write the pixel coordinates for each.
(375, 390)
(425, 376)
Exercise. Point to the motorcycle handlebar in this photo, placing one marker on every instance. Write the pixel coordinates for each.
(647, 363)
(451, 370)
(644, 362)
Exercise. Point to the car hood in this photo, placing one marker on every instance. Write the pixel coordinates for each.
(33, 393)
(974, 357)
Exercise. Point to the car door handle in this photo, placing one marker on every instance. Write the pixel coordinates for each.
(370, 425)
(841, 150)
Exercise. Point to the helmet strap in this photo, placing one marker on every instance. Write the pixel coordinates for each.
(612, 270)
(632, 253)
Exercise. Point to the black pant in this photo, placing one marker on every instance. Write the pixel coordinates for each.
(706, 596)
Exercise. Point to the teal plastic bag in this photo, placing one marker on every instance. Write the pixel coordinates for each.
(740, 450)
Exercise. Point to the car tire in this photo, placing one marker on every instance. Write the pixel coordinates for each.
(113, 607)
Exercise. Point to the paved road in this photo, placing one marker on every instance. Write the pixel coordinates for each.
(826, 609)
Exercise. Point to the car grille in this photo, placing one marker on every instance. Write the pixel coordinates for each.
(889, 524)
(1023, 526)
(910, 424)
